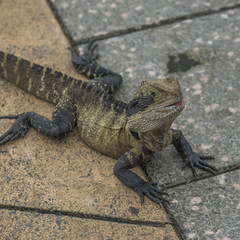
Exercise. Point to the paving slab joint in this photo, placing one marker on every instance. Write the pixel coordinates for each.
(85, 216)
(200, 177)
(142, 27)
(59, 19)
(175, 224)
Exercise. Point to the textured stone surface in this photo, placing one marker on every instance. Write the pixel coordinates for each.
(38, 172)
(84, 19)
(208, 209)
(207, 61)
(25, 225)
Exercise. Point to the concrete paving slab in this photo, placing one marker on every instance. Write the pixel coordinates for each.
(41, 173)
(205, 60)
(29, 225)
(85, 19)
(208, 209)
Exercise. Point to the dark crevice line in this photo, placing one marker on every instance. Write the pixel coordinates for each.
(142, 27)
(138, 28)
(84, 216)
(202, 177)
(177, 228)
(156, 24)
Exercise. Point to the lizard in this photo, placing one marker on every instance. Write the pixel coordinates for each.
(129, 132)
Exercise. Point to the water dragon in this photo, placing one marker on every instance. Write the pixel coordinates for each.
(130, 132)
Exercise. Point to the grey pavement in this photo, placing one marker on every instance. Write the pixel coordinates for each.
(85, 19)
(208, 209)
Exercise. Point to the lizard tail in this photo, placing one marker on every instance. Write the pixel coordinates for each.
(40, 81)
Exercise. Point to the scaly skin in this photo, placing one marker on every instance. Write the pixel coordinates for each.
(134, 130)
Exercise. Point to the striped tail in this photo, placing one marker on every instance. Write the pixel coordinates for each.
(40, 81)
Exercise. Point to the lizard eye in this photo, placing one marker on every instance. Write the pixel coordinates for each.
(153, 94)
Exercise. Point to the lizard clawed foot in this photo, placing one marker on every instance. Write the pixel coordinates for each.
(152, 192)
(89, 56)
(90, 52)
(197, 160)
(18, 129)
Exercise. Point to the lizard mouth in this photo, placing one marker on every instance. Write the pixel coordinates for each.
(179, 103)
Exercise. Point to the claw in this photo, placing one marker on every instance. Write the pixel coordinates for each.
(193, 169)
(9, 117)
(207, 167)
(92, 45)
(4, 135)
(185, 164)
(196, 160)
(18, 129)
(141, 198)
(158, 196)
(206, 157)
(89, 50)
(153, 193)
(156, 189)
(152, 198)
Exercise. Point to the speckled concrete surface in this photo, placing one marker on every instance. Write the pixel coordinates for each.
(210, 87)
(25, 225)
(84, 19)
(209, 209)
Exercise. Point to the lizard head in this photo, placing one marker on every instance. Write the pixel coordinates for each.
(155, 105)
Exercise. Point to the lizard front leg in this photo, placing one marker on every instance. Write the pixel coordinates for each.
(189, 157)
(129, 160)
(62, 122)
(101, 77)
